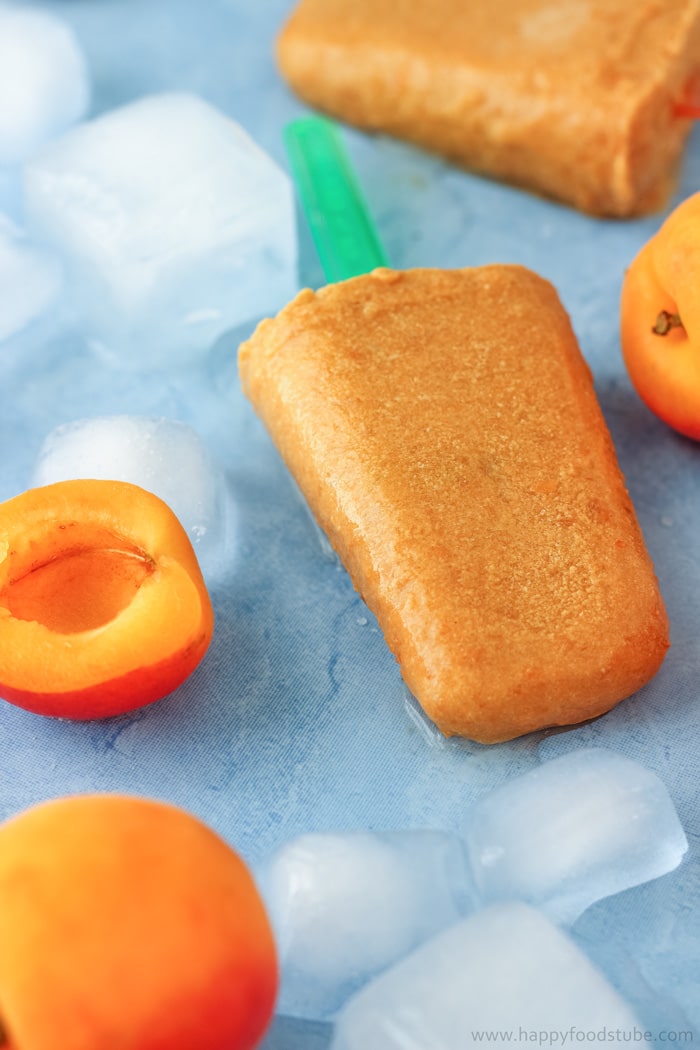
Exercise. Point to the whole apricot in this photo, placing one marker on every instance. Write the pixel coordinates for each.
(660, 320)
(127, 924)
(103, 607)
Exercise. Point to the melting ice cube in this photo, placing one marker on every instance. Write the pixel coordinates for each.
(10, 194)
(30, 279)
(44, 82)
(346, 906)
(174, 224)
(503, 975)
(164, 456)
(580, 827)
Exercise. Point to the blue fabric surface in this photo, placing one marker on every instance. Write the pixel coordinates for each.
(297, 720)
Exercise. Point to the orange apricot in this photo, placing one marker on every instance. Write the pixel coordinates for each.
(660, 320)
(127, 923)
(103, 607)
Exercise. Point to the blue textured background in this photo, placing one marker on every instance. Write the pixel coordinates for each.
(297, 719)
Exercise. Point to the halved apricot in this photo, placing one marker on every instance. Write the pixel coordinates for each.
(103, 607)
(127, 922)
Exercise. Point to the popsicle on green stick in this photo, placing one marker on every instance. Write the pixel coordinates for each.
(444, 429)
(343, 232)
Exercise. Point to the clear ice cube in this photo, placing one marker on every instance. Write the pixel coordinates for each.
(164, 456)
(44, 81)
(30, 280)
(175, 226)
(578, 828)
(346, 906)
(503, 975)
(10, 195)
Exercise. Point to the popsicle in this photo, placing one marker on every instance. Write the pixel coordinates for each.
(443, 427)
(578, 101)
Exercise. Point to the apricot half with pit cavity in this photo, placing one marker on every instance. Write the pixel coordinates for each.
(103, 607)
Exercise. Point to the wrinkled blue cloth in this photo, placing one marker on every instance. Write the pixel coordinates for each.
(297, 720)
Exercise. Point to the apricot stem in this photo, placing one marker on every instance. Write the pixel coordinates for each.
(665, 322)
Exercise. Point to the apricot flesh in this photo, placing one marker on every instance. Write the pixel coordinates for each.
(67, 594)
(128, 923)
(103, 607)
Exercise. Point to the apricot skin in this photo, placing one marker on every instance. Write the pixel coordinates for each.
(663, 278)
(127, 923)
(103, 607)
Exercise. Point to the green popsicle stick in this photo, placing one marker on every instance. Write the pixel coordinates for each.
(343, 232)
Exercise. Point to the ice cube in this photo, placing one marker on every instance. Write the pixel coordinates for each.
(174, 224)
(655, 1007)
(30, 279)
(503, 975)
(576, 829)
(11, 194)
(44, 81)
(165, 456)
(346, 906)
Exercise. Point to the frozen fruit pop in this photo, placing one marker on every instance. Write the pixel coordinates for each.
(577, 101)
(444, 429)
